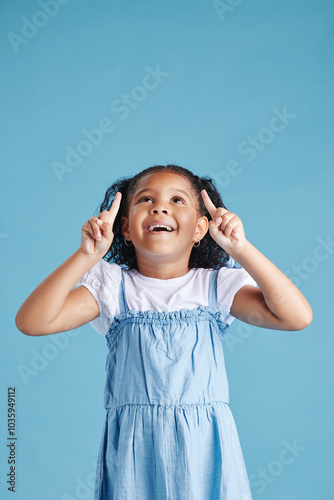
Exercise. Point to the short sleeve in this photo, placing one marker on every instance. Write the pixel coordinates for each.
(103, 281)
(229, 282)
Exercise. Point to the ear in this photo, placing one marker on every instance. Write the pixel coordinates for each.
(202, 227)
(125, 228)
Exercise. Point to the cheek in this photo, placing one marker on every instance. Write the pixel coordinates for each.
(134, 214)
(188, 221)
(136, 218)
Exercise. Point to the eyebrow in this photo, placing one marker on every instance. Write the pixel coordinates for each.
(171, 189)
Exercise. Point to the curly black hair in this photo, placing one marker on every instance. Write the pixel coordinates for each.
(207, 255)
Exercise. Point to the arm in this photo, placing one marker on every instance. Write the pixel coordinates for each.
(278, 304)
(53, 306)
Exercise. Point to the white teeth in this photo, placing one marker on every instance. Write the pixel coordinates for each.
(151, 228)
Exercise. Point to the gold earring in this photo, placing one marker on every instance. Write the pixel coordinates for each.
(199, 242)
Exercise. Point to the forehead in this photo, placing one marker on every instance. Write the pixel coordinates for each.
(161, 181)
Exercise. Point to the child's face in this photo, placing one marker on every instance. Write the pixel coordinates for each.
(167, 197)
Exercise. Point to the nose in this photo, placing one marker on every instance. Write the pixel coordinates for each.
(163, 210)
(158, 207)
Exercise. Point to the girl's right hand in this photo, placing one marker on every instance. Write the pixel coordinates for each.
(97, 233)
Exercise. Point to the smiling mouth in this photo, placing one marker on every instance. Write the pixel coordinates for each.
(159, 231)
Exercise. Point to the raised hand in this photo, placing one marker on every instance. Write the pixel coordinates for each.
(97, 233)
(226, 228)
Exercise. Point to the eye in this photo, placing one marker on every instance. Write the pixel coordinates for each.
(144, 198)
(148, 198)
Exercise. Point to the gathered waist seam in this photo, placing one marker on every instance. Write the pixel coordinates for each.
(183, 405)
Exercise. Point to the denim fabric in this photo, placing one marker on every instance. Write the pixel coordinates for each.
(169, 433)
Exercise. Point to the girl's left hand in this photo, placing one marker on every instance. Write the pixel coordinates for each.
(226, 228)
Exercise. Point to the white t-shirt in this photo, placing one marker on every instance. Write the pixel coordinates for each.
(144, 293)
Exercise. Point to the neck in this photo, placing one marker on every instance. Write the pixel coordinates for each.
(163, 272)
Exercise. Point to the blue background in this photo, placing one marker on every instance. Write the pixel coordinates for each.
(226, 75)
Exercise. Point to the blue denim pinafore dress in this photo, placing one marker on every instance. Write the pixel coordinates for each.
(169, 433)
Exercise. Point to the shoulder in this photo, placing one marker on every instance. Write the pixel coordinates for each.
(229, 281)
(103, 273)
(103, 281)
(110, 268)
(233, 277)
(227, 278)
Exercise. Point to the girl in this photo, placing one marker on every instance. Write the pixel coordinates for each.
(164, 297)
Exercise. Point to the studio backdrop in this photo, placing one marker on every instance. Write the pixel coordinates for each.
(240, 91)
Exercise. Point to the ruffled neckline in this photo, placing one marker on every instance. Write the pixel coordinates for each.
(199, 313)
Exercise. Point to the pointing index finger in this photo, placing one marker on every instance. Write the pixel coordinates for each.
(208, 203)
(115, 206)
